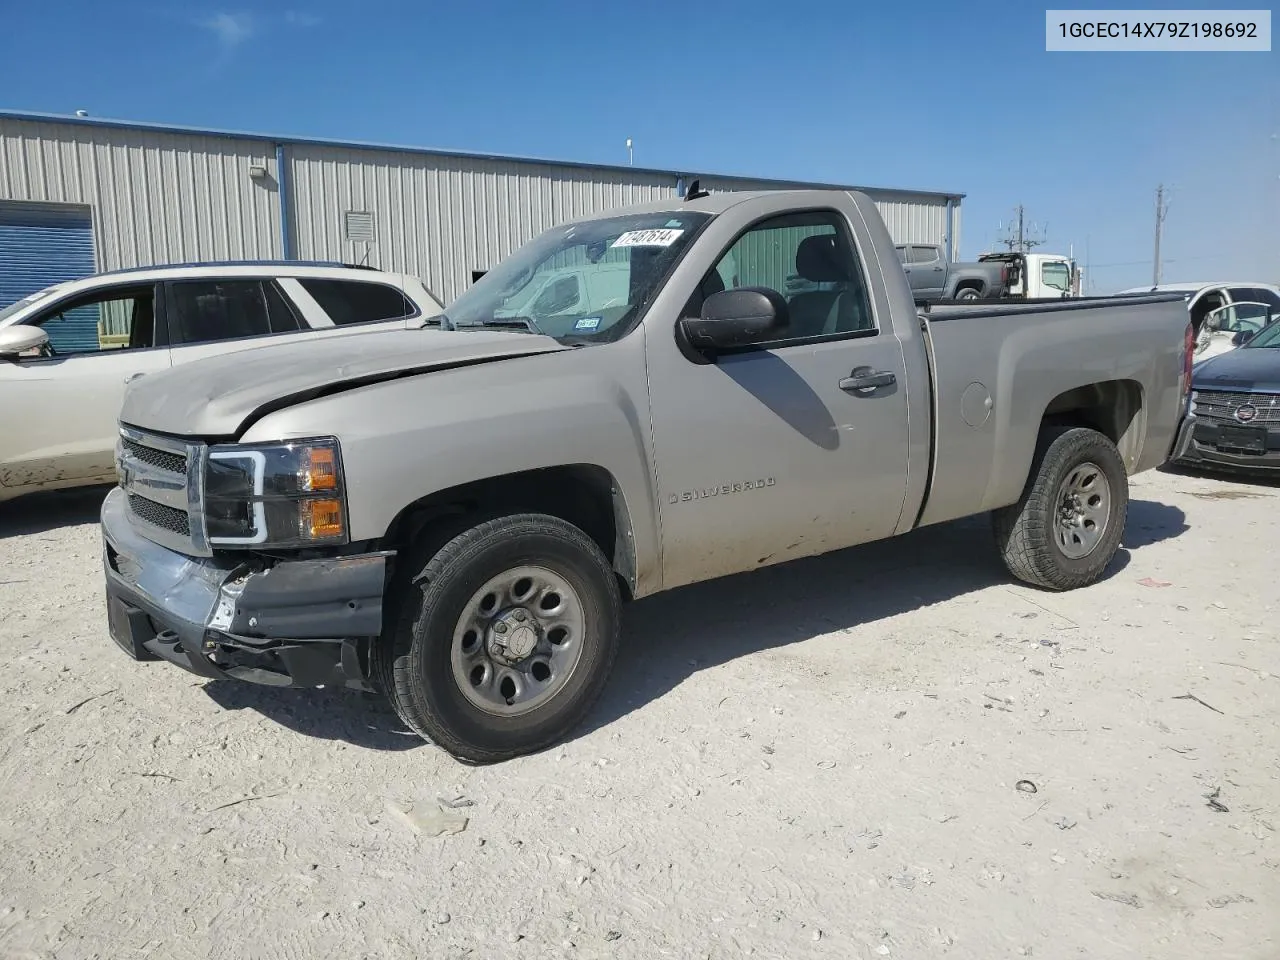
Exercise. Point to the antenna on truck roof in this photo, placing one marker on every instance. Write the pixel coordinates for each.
(695, 191)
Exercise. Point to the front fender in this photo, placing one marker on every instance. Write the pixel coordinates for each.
(405, 439)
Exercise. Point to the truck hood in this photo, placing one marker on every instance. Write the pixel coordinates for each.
(1245, 368)
(217, 396)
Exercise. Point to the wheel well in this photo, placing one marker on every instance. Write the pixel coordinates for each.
(581, 494)
(1112, 407)
(970, 285)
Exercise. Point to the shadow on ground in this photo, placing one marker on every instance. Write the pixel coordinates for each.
(672, 635)
(1256, 478)
(362, 720)
(42, 512)
(1151, 522)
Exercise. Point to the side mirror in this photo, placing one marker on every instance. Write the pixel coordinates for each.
(737, 318)
(19, 339)
(1242, 337)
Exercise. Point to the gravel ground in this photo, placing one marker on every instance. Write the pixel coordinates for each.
(818, 760)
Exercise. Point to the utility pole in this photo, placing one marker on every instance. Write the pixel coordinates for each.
(631, 157)
(1017, 240)
(1161, 209)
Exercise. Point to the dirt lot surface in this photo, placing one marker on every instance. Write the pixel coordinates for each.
(819, 760)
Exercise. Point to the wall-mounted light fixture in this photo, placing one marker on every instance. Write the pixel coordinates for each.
(257, 172)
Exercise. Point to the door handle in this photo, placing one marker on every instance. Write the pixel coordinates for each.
(864, 380)
(937, 269)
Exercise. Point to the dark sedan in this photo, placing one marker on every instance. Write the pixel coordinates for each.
(1234, 417)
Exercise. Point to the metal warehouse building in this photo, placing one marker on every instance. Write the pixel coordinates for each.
(79, 195)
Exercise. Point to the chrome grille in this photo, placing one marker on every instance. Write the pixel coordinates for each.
(163, 478)
(158, 515)
(1223, 404)
(171, 462)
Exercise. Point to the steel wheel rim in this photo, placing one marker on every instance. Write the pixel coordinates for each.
(1083, 510)
(518, 641)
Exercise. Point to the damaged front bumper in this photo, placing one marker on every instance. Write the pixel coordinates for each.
(1206, 444)
(299, 623)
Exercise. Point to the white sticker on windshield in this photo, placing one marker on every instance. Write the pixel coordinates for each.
(647, 238)
(587, 323)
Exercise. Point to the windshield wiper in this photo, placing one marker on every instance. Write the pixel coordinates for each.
(509, 323)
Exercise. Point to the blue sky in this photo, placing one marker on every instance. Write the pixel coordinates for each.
(961, 96)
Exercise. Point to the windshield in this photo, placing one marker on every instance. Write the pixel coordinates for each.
(1269, 337)
(586, 281)
(25, 302)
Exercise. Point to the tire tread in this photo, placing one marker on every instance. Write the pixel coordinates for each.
(1024, 530)
(417, 711)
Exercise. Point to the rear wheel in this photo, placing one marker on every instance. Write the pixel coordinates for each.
(505, 638)
(968, 293)
(1066, 527)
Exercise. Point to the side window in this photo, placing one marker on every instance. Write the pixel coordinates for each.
(350, 301)
(557, 296)
(815, 247)
(122, 318)
(280, 313)
(1255, 295)
(201, 311)
(923, 254)
(1056, 275)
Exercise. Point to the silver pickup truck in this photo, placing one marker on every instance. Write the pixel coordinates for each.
(933, 277)
(453, 515)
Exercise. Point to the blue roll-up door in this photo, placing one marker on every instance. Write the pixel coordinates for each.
(42, 244)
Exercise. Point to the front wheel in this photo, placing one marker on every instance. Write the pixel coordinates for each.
(1066, 527)
(506, 638)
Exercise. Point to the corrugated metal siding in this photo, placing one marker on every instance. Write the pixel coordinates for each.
(41, 245)
(911, 218)
(156, 197)
(163, 197)
(768, 257)
(911, 221)
(442, 217)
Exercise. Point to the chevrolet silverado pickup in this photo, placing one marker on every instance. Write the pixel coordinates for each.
(453, 515)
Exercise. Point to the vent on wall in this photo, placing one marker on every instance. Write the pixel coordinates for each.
(358, 226)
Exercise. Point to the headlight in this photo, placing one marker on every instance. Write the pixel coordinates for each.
(275, 495)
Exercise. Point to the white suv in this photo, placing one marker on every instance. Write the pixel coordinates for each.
(66, 352)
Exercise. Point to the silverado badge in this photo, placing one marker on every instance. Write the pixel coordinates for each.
(724, 490)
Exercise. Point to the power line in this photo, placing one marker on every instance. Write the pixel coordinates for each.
(1143, 263)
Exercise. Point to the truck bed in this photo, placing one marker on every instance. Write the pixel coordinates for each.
(984, 355)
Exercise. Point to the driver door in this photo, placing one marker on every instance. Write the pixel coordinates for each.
(62, 406)
(928, 272)
(1224, 325)
(773, 452)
